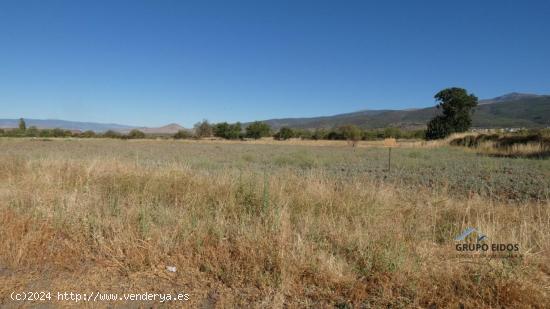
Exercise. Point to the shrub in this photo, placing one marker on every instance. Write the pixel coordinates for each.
(319, 134)
(111, 134)
(88, 134)
(32, 131)
(392, 133)
(203, 129)
(136, 134)
(284, 134)
(57, 132)
(182, 134)
(258, 130)
(351, 133)
(228, 131)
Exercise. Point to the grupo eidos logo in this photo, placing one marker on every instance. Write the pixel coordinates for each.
(472, 240)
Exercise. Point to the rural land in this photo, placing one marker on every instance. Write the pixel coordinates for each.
(255, 220)
(275, 154)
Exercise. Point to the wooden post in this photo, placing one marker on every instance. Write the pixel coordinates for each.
(390, 142)
(389, 159)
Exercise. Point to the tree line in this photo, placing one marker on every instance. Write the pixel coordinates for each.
(456, 106)
(259, 129)
(224, 130)
(23, 131)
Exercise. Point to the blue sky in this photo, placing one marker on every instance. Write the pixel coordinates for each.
(157, 62)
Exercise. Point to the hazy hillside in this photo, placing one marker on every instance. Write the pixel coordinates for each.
(64, 124)
(84, 126)
(511, 110)
(167, 129)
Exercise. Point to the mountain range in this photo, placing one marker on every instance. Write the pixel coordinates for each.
(510, 110)
(92, 126)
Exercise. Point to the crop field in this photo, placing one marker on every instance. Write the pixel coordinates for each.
(272, 224)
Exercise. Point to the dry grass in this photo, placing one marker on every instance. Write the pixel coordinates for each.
(315, 143)
(255, 238)
(517, 150)
(506, 145)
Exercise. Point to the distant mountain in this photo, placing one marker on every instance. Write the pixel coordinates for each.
(510, 110)
(167, 129)
(64, 124)
(85, 126)
(513, 96)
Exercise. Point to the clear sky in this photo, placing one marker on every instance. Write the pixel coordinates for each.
(156, 62)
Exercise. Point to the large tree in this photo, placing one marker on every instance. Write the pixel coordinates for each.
(203, 129)
(457, 107)
(351, 133)
(227, 131)
(22, 125)
(284, 134)
(257, 130)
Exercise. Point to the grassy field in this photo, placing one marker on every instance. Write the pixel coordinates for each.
(272, 224)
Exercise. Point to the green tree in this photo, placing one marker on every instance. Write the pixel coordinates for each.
(203, 129)
(351, 133)
(457, 107)
(319, 134)
(303, 133)
(438, 128)
(45, 133)
(111, 134)
(88, 134)
(32, 131)
(58, 132)
(284, 134)
(22, 125)
(228, 131)
(136, 134)
(370, 135)
(258, 130)
(392, 132)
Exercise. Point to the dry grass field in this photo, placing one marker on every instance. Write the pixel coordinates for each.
(271, 224)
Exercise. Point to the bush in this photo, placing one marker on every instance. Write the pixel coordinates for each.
(32, 131)
(319, 134)
(228, 131)
(203, 129)
(351, 133)
(88, 134)
(392, 133)
(182, 134)
(258, 130)
(57, 132)
(111, 134)
(335, 135)
(303, 134)
(136, 134)
(284, 134)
